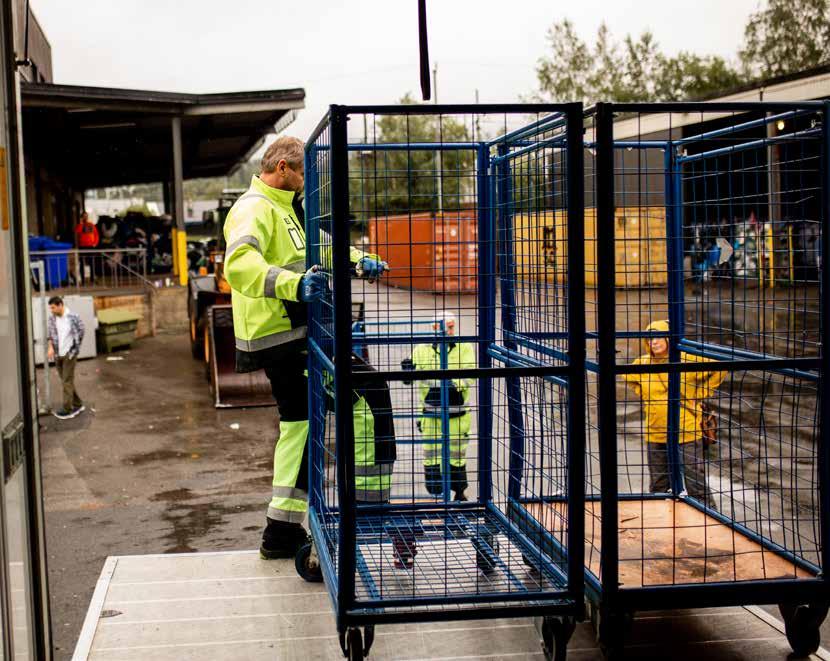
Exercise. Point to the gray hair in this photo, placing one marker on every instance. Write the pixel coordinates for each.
(286, 148)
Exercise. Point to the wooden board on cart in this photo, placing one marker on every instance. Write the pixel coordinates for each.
(669, 542)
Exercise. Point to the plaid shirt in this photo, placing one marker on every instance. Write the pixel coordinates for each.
(76, 333)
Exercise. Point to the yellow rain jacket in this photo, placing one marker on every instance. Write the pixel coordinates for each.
(653, 390)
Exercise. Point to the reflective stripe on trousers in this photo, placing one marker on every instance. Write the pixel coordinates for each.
(373, 484)
(459, 437)
(287, 502)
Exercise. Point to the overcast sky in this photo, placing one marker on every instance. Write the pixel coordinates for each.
(358, 51)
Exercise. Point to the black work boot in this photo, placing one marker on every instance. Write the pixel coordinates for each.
(434, 481)
(458, 481)
(282, 540)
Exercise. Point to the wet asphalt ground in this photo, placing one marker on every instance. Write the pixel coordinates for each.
(153, 467)
(150, 467)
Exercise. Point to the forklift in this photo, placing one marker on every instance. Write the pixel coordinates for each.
(211, 321)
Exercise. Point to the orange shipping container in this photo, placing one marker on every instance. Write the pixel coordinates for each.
(429, 252)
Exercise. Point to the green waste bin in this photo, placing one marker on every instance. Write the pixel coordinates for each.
(116, 328)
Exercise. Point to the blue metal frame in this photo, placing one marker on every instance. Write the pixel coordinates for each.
(565, 595)
(824, 421)
(606, 325)
(507, 270)
(312, 257)
(486, 321)
(510, 359)
(605, 590)
(674, 259)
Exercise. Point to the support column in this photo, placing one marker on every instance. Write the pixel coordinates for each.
(177, 194)
(166, 186)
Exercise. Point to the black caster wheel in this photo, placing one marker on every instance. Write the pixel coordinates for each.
(368, 638)
(487, 550)
(351, 642)
(612, 629)
(802, 625)
(556, 633)
(307, 564)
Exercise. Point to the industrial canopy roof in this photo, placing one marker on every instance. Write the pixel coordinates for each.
(96, 137)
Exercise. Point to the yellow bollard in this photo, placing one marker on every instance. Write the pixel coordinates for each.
(182, 250)
(173, 246)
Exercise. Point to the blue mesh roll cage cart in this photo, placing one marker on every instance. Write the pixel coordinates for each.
(340, 529)
(804, 600)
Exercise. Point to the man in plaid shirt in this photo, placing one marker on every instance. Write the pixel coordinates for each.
(66, 332)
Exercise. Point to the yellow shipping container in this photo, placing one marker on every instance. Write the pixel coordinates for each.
(639, 246)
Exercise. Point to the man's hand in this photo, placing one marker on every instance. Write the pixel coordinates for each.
(50, 352)
(312, 285)
(370, 268)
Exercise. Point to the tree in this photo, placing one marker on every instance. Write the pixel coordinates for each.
(388, 182)
(635, 70)
(690, 76)
(785, 37)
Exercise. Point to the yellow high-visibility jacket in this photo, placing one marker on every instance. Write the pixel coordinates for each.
(653, 390)
(264, 263)
(428, 357)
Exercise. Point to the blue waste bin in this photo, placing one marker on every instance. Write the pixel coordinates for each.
(56, 265)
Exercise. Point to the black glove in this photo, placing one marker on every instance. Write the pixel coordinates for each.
(409, 366)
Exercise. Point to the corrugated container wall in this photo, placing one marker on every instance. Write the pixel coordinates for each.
(432, 252)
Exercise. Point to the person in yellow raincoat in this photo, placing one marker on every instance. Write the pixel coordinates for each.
(653, 391)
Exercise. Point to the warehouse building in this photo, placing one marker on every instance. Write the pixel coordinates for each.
(77, 138)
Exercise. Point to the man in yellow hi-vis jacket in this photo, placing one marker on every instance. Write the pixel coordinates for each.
(653, 391)
(270, 287)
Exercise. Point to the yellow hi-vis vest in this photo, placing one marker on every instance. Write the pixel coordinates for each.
(428, 357)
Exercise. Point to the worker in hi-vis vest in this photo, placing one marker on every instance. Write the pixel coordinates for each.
(428, 357)
(270, 287)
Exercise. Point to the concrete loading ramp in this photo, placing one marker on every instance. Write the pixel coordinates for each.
(234, 605)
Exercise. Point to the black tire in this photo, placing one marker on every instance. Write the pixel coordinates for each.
(612, 629)
(301, 564)
(556, 633)
(368, 638)
(802, 626)
(354, 645)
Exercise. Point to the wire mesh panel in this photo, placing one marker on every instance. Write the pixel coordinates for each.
(436, 419)
(705, 449)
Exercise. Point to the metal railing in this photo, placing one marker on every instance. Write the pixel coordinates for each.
(82, 270)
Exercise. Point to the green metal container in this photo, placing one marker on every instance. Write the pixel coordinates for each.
(116, 328)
